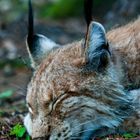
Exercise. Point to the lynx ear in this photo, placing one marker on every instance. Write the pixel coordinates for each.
(96, 51)
(37, 45)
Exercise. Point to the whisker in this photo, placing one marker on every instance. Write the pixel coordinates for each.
(80, 137)
(21, 94)
(84, 131)
(75, 138)
(19, 88)
(84, 123)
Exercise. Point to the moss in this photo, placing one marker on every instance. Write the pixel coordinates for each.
(71, 8)
(63, 9)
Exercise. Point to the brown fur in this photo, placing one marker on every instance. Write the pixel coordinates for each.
(63, 95)
(126, 42)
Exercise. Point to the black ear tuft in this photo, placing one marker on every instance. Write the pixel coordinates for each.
(38, 45)
(30, 25)
(88, 11)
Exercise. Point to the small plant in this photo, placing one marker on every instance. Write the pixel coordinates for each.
(128, 135)
(19, 131)
(27, 137)
(6, 94)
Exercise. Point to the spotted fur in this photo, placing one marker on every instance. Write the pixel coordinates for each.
(81, 91)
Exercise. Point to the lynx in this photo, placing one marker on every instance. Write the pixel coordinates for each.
(85, 89)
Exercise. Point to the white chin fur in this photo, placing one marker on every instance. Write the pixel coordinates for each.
(28, 124)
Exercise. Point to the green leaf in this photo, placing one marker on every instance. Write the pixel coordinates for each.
(27, 137)
(21, 132)
(6, 94)
(128, 135)
(1, 113)
(18, 130)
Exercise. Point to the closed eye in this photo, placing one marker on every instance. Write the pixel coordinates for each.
(30, 108)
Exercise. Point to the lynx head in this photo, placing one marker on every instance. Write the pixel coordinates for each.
(73, 93)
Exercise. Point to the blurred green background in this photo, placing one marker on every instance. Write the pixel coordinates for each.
(56, 9)
(59, 9)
